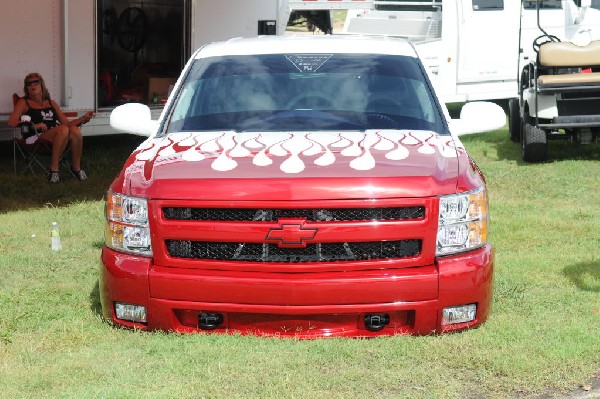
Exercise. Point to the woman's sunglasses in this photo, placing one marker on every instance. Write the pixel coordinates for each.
(33, 82)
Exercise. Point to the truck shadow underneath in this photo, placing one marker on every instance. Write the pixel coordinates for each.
(95, 305)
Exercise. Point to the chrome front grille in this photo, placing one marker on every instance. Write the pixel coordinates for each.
(323, 252)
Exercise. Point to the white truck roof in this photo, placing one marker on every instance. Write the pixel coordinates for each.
(309, 44)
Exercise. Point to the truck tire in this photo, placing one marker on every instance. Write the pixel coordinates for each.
(515, 125)
(534, 144)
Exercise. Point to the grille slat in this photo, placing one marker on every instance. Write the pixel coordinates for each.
(323, 252)
(314, 215)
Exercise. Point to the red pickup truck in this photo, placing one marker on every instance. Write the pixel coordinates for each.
(303, 187)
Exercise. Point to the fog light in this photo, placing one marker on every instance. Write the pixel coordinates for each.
(459, 314)
(130, 312)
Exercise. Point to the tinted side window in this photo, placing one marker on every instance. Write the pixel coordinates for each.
(595, 4)
(487, 5)
(544, 5)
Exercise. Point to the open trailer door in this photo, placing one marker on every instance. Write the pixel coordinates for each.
(78, 78)
(142, 48)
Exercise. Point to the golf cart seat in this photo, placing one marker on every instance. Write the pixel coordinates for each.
(564, 66)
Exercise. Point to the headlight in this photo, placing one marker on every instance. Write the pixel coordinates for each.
(463, 222)
(127, 228)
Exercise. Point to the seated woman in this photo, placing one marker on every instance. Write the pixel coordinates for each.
(51, 124)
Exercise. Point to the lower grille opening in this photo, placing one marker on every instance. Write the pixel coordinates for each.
(323, 252)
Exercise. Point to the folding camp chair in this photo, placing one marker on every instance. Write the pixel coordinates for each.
(29, 155)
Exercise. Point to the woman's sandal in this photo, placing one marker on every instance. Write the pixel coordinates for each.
(79, 174)
(53, 177)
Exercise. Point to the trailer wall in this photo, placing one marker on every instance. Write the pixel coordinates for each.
(41, 41)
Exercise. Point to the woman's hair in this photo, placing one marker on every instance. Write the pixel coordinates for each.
(35, 75)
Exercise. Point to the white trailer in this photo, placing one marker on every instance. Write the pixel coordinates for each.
(97, 54)
(472, 47)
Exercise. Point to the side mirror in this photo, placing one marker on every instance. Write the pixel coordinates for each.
(478, 117)
(133, 118)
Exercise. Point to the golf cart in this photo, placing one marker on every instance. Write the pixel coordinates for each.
(559, 92)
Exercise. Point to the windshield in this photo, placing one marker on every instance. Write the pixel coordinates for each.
(305, 92)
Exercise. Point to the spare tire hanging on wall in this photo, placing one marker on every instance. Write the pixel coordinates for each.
(133, 29)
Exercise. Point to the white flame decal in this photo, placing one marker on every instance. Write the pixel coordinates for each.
(298, 148)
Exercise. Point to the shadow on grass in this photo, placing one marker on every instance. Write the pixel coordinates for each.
(103, 157)
(558, 150)
(585, 276)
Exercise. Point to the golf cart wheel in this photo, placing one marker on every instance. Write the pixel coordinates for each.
(514, 120)
(534, 144)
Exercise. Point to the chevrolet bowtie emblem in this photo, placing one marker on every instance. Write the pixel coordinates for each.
(291, 234)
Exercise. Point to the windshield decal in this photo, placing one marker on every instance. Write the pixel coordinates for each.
(224, 149)
(308, 62)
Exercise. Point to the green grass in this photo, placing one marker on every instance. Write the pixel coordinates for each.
(542, 337)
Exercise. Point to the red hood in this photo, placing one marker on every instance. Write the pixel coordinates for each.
(294, 166)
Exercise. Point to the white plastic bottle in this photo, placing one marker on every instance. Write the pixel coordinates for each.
(55, 237)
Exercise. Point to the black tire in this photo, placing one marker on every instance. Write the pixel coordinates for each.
(515, 127)
(534, 144)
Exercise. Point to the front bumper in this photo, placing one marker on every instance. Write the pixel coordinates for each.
(304, 305)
